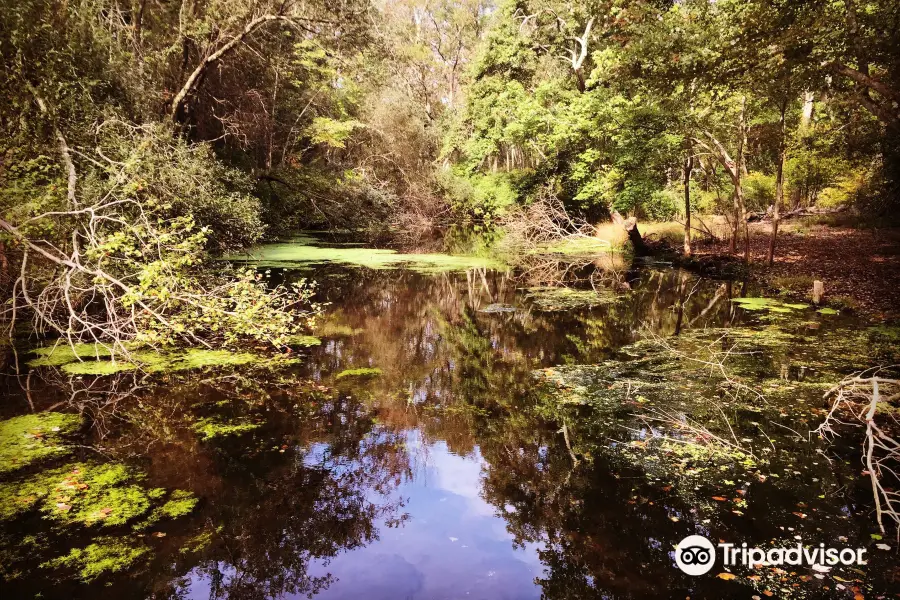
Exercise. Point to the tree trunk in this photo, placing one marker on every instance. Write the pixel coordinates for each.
(739, 170)
(180, 100)
(4, 264)
(688, 168)
(779, 185)
(634, 236)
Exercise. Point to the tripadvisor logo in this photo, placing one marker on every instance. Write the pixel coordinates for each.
(696, 555)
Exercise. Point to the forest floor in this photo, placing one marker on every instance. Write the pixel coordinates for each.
(859, 267)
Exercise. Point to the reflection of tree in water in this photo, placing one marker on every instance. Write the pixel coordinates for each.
(314, 479)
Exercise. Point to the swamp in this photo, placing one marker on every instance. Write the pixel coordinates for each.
(449, 299)
(446, 432)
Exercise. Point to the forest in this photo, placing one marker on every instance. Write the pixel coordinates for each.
(620, 257)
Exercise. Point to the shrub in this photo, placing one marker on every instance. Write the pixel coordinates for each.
(759, 191)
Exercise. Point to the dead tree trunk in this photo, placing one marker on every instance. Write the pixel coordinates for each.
(631, 228)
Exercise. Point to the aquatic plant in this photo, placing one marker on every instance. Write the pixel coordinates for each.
(31, 438)
(63, 353)
(360, 372)
(216, 427)
(292, 255)
(104, 556)
(303, 340)
(565, 298)
(152, 361)
(769, 304)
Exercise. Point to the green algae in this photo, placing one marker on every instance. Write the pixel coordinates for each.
(768, 304)
(552, 299)
(179, 504)
(291, 255)
(197, 543)
(215, 427)
(828, 311)
(85, 494)
(332, 329)
(63, 353)
(497, 308)
(306, 341)
(360, 372)
(92, 498)
(75, 363)
(98, 367)
(576, 246)
(31, 438)
(104, 556)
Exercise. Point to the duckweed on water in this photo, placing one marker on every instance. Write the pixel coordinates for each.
(30, 438)
(62, 353)
(179, 504)
(91, 495)
(304, 340)
(292, 255)
(197, 543)
(215, 427)
(361, 372)
(105, 555)
(768, 304)
(578, 246)
(79, 362)
(497, 308)
(550, 299)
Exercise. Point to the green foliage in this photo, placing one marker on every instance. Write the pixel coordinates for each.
(759, 191)
(330, 132)
(482, 197)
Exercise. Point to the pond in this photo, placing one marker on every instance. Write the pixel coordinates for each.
(452, 428)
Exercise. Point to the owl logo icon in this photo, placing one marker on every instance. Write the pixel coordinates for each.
(695, 555)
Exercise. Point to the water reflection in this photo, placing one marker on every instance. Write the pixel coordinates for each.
(444, 476)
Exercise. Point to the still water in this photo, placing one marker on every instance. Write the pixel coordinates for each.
(460, 434)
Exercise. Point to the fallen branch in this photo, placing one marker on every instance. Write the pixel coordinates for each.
(871, 400)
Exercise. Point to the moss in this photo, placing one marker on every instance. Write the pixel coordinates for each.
(30, 438)
(361, 372)
(104, 556)
(291, 255)
(563, 298)
(214, 427)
